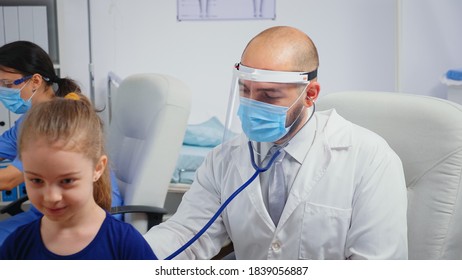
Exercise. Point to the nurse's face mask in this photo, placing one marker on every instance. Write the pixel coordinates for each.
(264, 99)
(11, 97)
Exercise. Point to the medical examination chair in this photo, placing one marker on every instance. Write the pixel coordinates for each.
(148, 122)
(426, 133)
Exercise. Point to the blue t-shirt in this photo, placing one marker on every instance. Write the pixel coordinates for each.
(115, 240)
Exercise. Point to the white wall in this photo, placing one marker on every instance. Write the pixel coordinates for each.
(357, 41)
(431, 43)
(73, 41)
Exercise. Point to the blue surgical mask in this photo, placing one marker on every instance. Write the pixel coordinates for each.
(263, 122)
(11, 98)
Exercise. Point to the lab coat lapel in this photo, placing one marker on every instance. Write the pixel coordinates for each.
(241, 158)
(333, 133)
(308, 176)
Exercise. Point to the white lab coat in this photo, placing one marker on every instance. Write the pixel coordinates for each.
(348, 201)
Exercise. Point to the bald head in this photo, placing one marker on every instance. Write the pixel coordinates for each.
(281, 48)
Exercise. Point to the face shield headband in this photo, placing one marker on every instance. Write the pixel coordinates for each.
(258, 75)
(240, 72)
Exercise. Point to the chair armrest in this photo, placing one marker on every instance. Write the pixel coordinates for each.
(14, 207)
(154, 214)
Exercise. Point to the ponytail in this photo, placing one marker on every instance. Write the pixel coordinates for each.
(102, 190)
(65, 86)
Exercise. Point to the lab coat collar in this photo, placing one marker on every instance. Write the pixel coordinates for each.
(300, 144)
(336, 129)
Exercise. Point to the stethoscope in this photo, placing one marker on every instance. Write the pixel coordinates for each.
(258, 170)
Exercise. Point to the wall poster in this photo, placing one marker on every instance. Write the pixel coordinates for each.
(226, 9)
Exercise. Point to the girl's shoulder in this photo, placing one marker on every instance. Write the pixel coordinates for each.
(19, 243)
(127, 238)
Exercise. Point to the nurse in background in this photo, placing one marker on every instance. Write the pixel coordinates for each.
(27, 77)
(341, 193)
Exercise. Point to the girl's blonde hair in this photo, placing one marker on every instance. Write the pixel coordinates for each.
(71, 123)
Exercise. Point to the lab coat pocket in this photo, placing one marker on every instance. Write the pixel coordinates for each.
(324, 231)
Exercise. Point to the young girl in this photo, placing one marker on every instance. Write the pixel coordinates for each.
(61, 145)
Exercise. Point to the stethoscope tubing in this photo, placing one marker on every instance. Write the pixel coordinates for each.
(258, 170)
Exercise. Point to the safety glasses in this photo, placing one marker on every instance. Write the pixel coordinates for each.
(9, 83)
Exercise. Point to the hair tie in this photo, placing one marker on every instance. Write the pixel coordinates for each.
(72, 95)
(55, 80)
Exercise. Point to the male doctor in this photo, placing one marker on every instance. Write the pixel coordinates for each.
(334, 190)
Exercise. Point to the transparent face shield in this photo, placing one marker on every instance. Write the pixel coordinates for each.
(265, 104)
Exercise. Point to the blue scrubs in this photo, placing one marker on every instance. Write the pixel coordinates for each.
(8, 150)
